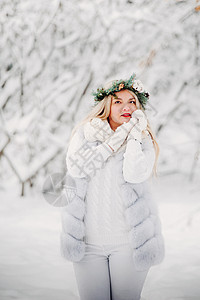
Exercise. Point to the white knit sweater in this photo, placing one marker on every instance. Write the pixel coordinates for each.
(104, 218)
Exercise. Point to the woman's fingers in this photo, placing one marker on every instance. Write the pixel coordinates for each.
(142, 120)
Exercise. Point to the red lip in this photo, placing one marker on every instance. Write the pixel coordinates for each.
(126, 115)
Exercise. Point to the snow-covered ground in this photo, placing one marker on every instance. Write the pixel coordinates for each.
(31, 267)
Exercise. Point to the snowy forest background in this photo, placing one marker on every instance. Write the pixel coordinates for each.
(52, 55)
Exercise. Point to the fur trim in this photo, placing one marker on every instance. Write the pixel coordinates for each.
(81, 187)
(142, 232)
(76, 208)
(141, 215)
(71, 248)
(131, 192)
(137, 212)
(150, 253)
(73, 226)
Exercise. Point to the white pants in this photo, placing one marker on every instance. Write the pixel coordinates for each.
(107, 273)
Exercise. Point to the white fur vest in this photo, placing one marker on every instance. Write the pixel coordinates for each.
(141, 215)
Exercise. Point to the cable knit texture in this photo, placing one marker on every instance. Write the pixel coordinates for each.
(105, 220)
(113, 201)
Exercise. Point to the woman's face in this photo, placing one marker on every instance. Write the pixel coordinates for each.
(121, 108)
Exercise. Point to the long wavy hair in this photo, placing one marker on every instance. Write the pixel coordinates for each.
(102, 111)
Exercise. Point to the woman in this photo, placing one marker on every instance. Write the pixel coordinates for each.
(111, 230)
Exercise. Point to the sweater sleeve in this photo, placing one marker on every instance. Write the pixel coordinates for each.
(138, 160)
(84, 158)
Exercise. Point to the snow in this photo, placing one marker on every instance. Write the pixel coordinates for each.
(50, 64)
(31, 266)
(53, 54)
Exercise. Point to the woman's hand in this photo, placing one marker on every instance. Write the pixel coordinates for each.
(142, 120)
(141, 125)
(97, 130)
(120, 134)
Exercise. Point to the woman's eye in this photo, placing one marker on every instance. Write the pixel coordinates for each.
(130, 101)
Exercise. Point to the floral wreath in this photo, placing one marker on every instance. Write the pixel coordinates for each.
(131, 84)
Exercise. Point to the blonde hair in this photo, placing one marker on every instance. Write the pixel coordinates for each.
(102, 111)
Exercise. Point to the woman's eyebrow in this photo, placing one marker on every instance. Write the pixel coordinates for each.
(122, 99)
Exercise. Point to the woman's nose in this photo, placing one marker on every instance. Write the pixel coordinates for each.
(126, 107)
